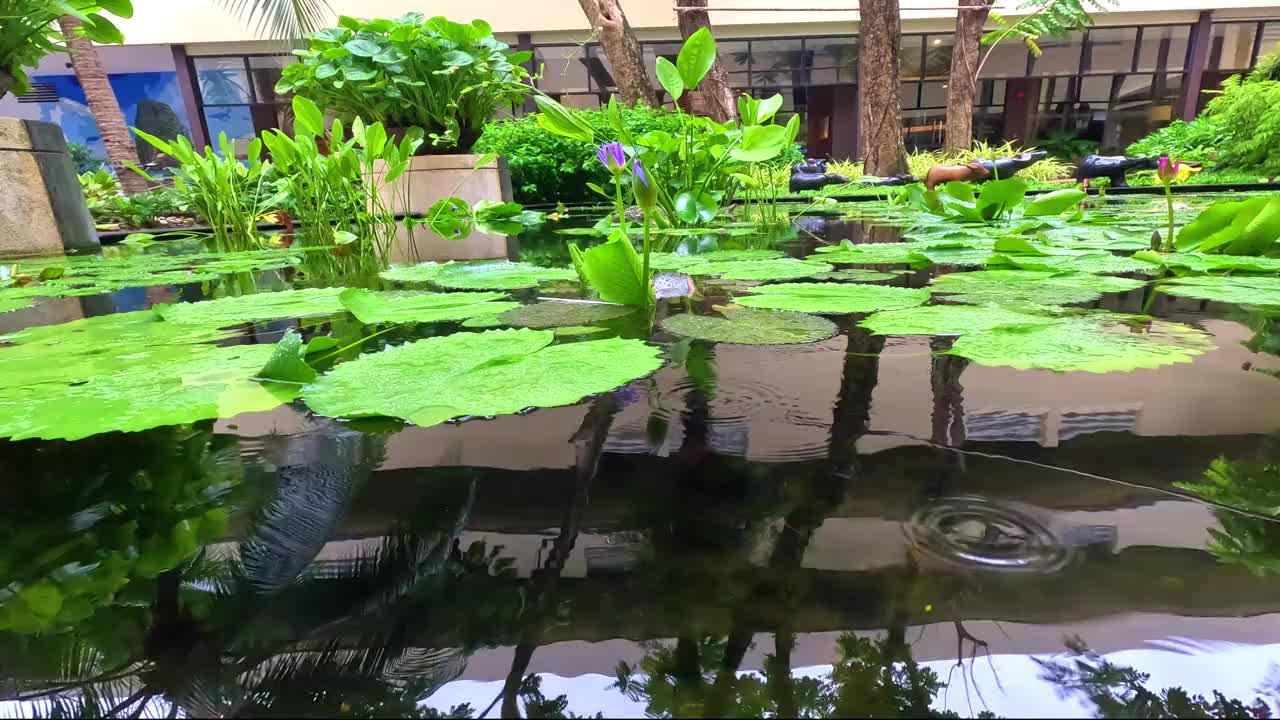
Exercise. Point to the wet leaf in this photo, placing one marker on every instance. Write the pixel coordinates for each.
(895, 253)
(857, 275)
(489, 373)
(288, 363)
(552, 314)
(11, 304)
(259, 307)
(832, 298)
(1198, 263)
(766, 270)
(1028, 287)
(751, 327)
(1098, 263)
(949, 320)
(1236, 289)
(676, 261)
(410, 306)
(479, 275)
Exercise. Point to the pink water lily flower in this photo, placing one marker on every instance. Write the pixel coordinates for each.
(1168, 170)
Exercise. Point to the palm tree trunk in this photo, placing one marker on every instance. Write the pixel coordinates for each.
(962, 88)
(623, 50)
(104, 106)
(883, 153)
(714, 97)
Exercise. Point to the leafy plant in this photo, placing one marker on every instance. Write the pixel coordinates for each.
(1044, 18)
(1245, 227)
(1246, 112)
(228, 194)
(444, 77)
(1195, 141)
(110, 209)
(995, 201)
(83, 158)
(29, 32)
(1067, 145)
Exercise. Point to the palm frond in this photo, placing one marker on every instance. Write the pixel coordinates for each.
(281, 19)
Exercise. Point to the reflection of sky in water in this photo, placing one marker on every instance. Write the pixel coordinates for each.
(72, 114)
(1238, 671)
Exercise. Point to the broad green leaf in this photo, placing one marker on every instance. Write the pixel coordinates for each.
(693, 208)
(288, 363)
(451, 219)
(613, 270)
(1262, 232)
(766, 270)
(556, 118)
(760, 143)
(832, 298)
(11, 304)
(751, 327)
(677, 262)
(1235, 289)
(362, 47)
(767, 108)
(1054, 203)
(409, 306)
(478, 275)
(696, 57)
(950, 320)
(857, 275)
(1198, 263)
(1211, 221)
(555, 313)
(999, 196)
(1100, 263)
(1018, 246)
(1004, 287)
(669, 78)
(867, 254)
(307, 116)
(497, 372)
(260, 307)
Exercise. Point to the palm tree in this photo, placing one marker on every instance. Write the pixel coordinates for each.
(281, 19)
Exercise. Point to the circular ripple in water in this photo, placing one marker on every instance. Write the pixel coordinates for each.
(982, 533)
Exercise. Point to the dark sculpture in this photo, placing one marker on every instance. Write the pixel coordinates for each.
(812, 175)
(1112, 167)
(982, 169)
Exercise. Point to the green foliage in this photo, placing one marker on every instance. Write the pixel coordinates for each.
(140, 210)
(1250, 124)
(761, 270)
(479, 275)
(1046, 18)
(444, 77)
(561, 314)
(1246, 227)
(547, 167)
(1196, 141)
(414, 306)
(833, 298)
(1067, 145)
(1260, 291)
(496, 372)
(1001, 287)
(615, 271)
(83, 158)
(994, 201)
(751, 327)
(227, 194)
(30, 31)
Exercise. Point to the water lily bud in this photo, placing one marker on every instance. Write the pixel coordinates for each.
(645, 192)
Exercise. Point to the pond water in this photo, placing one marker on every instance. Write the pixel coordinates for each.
(859, 525)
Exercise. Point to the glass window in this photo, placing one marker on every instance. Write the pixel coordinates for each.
(564, 69)
(1008, 59)
(1111, 49)
(1232, 46)
(937, 55)
(934, 95)
(265, 70)
(909, 95)
(582, 102)
(1096, 89)
(778, 63)
(236, 121)
(1270, 38)
(835, 60)
(909, 56)
(1164, 48)
(991, 92)
(735, 56)
(223, 81)
(599, 71)
(1060, 57)
(1134, 88)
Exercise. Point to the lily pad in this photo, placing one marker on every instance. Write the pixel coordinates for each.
(479, 275)
(1236, 289)
(483, 321)
(752, 327)
(1098, 263)
(949, 320)
(1028, 287)
(259, 307)
(894, 253)
(562, 314)
(409, 306)
(776, 269)
(181, 385)
(1095, 342)
(955, 256)
(857, 275)
(489, 373)
(11, 304)
(833, 298)
(676, 261)
(1199, 263)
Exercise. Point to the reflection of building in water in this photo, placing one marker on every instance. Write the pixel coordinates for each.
(1050, 427)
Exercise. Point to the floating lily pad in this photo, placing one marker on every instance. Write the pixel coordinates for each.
(409, 306)
(833, 298)
(11, 304)
(1028, 287)
(1199, 263)
(949, 320)
(752, 327)
(552, 314)
(775, 269)
(181, 385)
(483, 321)
(1236, 289)
(894, 253)
(1098, 263)
(972, 257)
(481, 275)
(1096, 342)
(857, 275)
(489, 373)
(579, 330)
(675, 261)
(259, 307)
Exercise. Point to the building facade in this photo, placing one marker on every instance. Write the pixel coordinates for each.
(189, 67)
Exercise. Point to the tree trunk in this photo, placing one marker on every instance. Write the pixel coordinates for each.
(962, 88)
(622, 48)
(714, 97)
(104, 106)
(883, 153)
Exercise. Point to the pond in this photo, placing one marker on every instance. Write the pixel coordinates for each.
(1034, 492)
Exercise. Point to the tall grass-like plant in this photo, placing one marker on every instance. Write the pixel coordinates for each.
(228, 194)
(335, 184)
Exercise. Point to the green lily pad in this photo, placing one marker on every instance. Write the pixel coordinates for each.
(857, 275)
(949, 320)
(747, 326)
(1199, 263)
(259, 307)
(1236, 289)
(479, 275)
(579, 330)
(288, 363)
(833, 298)
(183, 384)
(553, 313)
(1095, 342)
(766, 270)
(483, 321)
(11, 304)
(1098, 263)
(894, 253)
(675, 261)
(410, 306)
(1028, 287)
(972, 257)
(496, 372)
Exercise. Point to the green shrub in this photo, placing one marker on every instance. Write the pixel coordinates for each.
(83, 158)
(1196, 141)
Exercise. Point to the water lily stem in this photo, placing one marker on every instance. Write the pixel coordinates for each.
(1168, 198)
(622, 210)
(648, 282)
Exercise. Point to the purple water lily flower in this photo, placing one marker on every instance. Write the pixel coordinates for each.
(612, 157)
(646, 194)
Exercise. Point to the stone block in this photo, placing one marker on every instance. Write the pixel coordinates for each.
(42, 208)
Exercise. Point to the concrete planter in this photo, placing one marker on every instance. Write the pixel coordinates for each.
(431, 178)
(42, 208)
